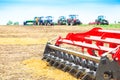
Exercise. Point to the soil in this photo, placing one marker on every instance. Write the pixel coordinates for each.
(21, 50)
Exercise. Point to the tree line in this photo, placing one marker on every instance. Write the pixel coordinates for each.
(12, 23)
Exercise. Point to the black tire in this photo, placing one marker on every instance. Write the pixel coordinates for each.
(105, 22)
(59, 23)
(72, 23)
(24, 23)
(68, 22)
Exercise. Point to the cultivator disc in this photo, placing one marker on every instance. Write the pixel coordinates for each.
(84, 66)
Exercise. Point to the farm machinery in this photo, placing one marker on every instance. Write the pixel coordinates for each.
(100, 21)
(73, 20)
(41, 20)
(29, 22)
(92, 55)
(62, 20)
(48, 20)
(36, 21)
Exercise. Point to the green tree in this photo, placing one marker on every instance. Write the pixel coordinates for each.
(16, 23)
(9, 22)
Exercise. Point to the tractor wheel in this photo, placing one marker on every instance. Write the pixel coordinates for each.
(24, 23)
(67, 23)
(46, 24)
(105, 22)
(59, 23)
(72, 23)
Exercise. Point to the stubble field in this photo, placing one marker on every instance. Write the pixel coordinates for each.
(21, 50)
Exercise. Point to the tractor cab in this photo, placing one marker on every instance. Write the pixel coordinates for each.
(73, 16)
(62, 18)
(101, 18)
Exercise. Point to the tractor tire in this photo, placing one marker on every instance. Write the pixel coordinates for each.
(24, 23)
(72, 23)
(67, 24)
(105, 22)
(59, 23)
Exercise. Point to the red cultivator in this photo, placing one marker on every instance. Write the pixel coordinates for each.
(98, 58)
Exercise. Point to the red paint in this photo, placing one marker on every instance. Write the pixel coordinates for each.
(100, 38)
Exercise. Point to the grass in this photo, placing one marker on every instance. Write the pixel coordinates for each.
(110, 26)
(102, 26)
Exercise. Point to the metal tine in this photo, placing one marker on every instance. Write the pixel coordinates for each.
(49, 51)
(58, 54)
(62, 65)
(48, 59)
(56, 64)
(68, 66)
(51, 62)
(52, 56)
(73, 71)
(84, 63)
(51, 59)
(45, 56)
(62, 54)
(65, 65)
(58, 61)
(75, 59)
(88, 76)
(80, 73)
(71, 59)
(91, 65)
(69, 63)
(65, 56)
(78, 61)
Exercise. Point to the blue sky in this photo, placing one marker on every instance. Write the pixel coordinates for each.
(88, 10)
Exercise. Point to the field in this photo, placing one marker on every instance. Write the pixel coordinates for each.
(21, 50)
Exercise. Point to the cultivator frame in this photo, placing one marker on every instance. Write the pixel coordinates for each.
(95, 61)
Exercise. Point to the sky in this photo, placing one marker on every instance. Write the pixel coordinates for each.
(88, 10)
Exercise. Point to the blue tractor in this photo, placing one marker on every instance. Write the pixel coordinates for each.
(41, 20)
(48, 20)
(101, 20)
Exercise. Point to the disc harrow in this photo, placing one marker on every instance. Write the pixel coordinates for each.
(99, 58)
